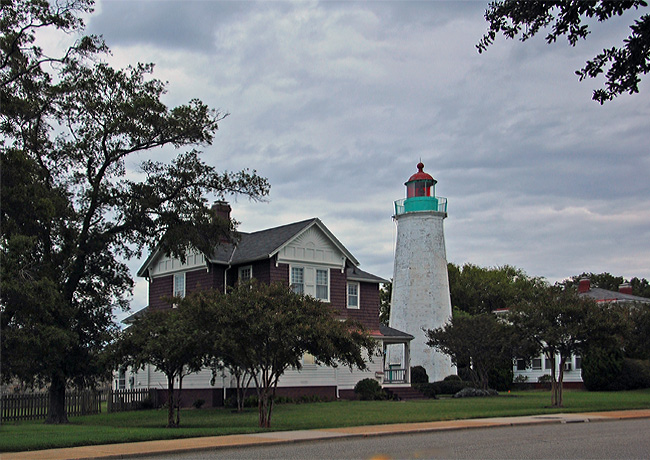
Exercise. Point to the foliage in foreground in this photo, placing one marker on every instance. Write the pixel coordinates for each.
(622, 66)
(72, 212)
(266, 329)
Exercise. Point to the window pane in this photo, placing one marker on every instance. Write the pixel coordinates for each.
(179, 285)
(298, 280)
(321, 285)
(521, 365)
(353, 295)
(245, 274)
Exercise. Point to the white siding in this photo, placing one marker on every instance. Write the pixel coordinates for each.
(314, 247)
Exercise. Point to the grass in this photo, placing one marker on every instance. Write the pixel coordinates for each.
(150, 425)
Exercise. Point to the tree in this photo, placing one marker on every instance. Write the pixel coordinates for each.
(562, 323)
(385, 296)
(173, 341)
(71, 214)
(265, 329)
(477, 290)
(482, 342)
(623, 65)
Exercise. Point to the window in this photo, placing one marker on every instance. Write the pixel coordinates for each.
(245, 273)
(179, 285)
(547, 363)
(521, 364)
(121, 379)
(322, 285)
(537, 364)
(308, 359)
(298, 280)
(353, 295)
(578, 362)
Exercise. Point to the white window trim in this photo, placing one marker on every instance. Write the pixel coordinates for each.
(181, 274)
(347, 295)
(241, 269)
(326, 270)
(310, 288)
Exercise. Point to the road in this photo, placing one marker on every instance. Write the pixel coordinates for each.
(621, 439)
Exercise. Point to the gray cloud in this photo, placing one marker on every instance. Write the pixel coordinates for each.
(335, 102)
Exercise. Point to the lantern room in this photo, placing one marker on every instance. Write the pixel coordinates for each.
(420, 184)
(420, 194)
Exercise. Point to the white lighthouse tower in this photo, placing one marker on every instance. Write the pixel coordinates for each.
(420, 299)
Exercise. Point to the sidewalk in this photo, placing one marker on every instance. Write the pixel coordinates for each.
(109, 451)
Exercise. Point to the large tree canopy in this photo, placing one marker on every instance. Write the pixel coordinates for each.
(266, 329)
(73, 205)
(563, 323)
(172, 340)
(481, 343)
(476, 290)
(622, 65)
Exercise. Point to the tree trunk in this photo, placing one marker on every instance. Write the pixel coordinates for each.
(560, 378)
(170, 402)
(178, 401)
(57, 411)
(553, 382)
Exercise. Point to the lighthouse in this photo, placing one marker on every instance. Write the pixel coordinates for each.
(420, 299)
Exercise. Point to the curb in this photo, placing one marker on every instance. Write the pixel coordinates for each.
(188, 445)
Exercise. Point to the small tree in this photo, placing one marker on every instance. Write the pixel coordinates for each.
(171, 340)
(482, 341)
(562, 323)
(266, 329)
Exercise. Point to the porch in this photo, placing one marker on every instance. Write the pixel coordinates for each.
(396, 357)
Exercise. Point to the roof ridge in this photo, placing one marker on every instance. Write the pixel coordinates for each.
(282, 226)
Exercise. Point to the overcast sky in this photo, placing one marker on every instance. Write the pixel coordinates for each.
(336, 102)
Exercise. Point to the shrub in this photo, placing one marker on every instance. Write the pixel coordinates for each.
(501, 375)
(198, 403)
(601, 369)
(146, 404)
(419, 375)
(475, 392)
(452, 377)
(443, 387)
(634, 375)
(369, 390)
(427, 389)
(251, 401)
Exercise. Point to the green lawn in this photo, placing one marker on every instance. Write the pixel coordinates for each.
(149, 425)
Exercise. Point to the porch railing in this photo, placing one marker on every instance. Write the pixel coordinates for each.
(395, 375)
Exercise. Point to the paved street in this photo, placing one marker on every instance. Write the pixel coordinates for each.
(614, 434)
(621, 439)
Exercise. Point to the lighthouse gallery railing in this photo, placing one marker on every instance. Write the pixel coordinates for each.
(399, 205)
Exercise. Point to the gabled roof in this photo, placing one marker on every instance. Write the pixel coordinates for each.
(266, 243)
(390, 333)
(356, 274)
(605, 295)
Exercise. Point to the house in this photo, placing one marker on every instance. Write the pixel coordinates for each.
(305, 255)
(541, 365)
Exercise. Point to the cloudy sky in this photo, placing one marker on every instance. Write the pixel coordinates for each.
(336, 102)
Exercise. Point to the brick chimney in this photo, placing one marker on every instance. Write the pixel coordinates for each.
(584, 285)
(625, 288)
(222, 209)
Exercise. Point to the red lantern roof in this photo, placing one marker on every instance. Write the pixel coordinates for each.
(421, 175)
